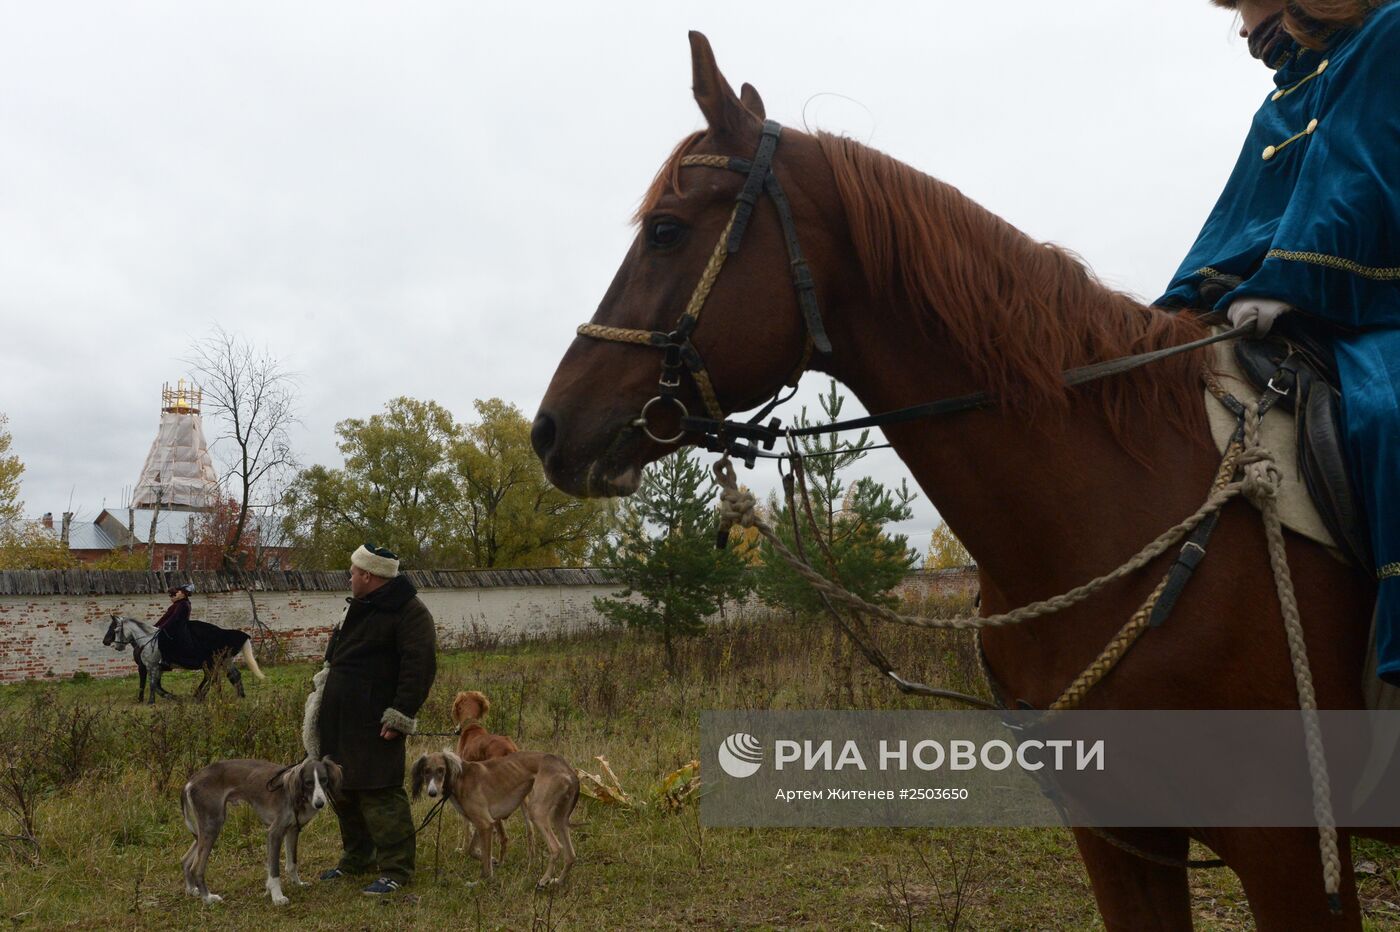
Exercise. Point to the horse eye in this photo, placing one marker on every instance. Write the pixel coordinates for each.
(664, 232)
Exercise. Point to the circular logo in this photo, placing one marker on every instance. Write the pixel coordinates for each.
(740, 755)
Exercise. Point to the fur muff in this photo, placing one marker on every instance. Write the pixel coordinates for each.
(310, 736)
(399, 722)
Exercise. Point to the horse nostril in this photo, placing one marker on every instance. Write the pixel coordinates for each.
(542, 434)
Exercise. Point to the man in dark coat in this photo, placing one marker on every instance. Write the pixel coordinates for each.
(380, 664)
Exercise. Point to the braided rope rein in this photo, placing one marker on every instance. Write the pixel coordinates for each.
(1259, 483)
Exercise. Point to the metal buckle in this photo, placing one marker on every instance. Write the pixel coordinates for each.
(1281, 392)
(641, 421)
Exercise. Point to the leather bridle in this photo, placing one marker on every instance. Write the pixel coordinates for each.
(744, 439)
(680, 351)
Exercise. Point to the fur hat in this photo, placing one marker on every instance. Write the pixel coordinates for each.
(377, 561)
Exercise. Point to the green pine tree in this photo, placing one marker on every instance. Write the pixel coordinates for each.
(850, 521)
(850, 524)
(664, 554)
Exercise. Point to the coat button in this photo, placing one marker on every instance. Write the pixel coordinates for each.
(1269, 152)
(1312, 125)
(1323, 66)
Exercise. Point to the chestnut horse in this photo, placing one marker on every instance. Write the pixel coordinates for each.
(924, 295)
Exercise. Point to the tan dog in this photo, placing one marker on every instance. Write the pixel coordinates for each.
(486, 792)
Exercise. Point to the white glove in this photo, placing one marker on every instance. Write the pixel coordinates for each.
(1262, 312)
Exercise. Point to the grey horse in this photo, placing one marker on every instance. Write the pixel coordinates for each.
(145, 649)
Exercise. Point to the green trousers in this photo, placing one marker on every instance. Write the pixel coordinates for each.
(376, 832)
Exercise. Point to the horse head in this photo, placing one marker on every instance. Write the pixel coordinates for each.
(116, 636)
(734, 338)
(112, 630)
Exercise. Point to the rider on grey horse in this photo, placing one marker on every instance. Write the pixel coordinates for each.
(175, 637)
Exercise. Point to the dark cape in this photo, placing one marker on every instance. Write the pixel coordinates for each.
(381, 661)
(1311, 216)
(184, 642)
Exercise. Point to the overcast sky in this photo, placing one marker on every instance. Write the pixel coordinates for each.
(426, 198)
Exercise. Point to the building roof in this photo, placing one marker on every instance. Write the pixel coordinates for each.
(87, 535)
(172, 527)
(82, 535)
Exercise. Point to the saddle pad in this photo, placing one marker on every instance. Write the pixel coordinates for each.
(1296, 509)
(1295, 506)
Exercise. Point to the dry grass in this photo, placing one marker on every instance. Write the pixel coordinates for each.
(101, 775)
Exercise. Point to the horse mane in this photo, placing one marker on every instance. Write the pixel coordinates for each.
(145, 628)
(1021, 311)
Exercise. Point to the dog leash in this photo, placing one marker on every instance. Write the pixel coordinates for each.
(436, 734)
(432, 814)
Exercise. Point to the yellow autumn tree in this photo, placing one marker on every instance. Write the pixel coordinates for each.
(945, 551)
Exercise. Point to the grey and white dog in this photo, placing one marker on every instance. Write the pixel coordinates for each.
(284, 798)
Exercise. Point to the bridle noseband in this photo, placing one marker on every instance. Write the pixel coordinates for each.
(680, 351)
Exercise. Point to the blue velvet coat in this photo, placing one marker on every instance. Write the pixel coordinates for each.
(1311, 216)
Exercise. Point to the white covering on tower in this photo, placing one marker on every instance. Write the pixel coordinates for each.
(179, 463)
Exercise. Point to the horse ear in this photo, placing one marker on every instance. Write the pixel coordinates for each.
(418, 768)
(721, 106)
(748, 96)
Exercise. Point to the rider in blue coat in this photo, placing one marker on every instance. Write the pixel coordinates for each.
(1309, 222)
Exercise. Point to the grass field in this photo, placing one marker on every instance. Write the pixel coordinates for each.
(99, 778)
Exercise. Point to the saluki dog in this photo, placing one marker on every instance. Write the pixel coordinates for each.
(284, 798)
(485, 792)
(474, 742)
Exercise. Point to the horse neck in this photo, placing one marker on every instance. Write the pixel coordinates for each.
(139, 634)
(141, 626)
(1044, 495)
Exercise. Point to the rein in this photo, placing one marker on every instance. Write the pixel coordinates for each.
(140, 645)
(721, 435)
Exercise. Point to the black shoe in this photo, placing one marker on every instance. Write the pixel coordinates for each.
(334, 873)
(381, 887)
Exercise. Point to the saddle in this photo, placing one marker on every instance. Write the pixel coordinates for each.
(1293, 362)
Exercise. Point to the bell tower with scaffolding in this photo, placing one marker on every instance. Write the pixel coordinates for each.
(179, 472)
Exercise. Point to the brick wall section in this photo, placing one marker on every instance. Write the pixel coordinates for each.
(921, 584)
(57, 635)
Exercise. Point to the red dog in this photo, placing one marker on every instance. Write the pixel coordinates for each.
(475, 743)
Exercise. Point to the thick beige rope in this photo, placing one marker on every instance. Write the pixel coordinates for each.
(1137, 625)
(737, 507)
(1260, 482)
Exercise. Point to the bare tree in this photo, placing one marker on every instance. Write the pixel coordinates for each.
(255, 399)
